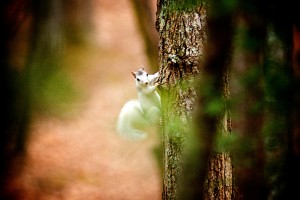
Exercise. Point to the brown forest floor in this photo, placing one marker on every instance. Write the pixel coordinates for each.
(81, 156)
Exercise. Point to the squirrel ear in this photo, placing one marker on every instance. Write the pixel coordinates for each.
(143, 68)
(133, 74)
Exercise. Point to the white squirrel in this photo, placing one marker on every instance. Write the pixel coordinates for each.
(136, 115)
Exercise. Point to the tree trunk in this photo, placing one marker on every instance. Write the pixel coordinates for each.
(249, 101)
(193, 170)
(216, 124)
(181, 42)
(13, 110)
(219, 182)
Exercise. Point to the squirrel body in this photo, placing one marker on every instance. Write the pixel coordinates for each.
(138, 114)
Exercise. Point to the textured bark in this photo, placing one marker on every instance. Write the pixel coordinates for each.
(181, 43)
(219, 182)
(213, 124)
(219, 179)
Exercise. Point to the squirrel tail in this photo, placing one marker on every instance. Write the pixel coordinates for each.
(132, 134)
(129, 118)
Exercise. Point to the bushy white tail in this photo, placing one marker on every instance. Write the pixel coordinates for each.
(131, 121)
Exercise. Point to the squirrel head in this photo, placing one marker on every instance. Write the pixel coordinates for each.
(143, 79)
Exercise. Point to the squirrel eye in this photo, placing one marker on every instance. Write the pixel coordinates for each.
(137, 79)
(147, 74)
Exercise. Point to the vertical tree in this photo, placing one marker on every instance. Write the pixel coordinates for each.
(182, 30)
(213, 116)
(248, 107)
(282, 101)
(182, 33)
(212, 163)
(13, 108)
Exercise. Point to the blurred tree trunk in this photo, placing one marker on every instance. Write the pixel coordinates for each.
(295, 112)
(22, 19)
(77, 20)
(145, 18)
(215, 124)
(248, 96)
(282, 79)
(13, 105)
(219, 182)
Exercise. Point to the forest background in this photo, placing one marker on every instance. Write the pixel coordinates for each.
(65, 75)
(71, 149)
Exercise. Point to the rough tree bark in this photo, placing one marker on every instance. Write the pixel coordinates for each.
(182, 30)
(181, 42)
(219, 182)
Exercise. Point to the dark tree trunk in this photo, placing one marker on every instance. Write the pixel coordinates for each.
(219, 183)
(215, 124)
(249, 101)
(13, 110)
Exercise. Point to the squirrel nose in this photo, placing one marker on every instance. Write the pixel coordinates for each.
(146, 83)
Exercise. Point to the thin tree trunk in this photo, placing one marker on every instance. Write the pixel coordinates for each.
(216, 124)
(219, 183)
(13, 110)
(249, 101)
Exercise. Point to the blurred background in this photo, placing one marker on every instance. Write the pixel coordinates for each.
(65, 76)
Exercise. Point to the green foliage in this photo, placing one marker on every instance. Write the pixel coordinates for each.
(226, 142)
(183, 5)
(53, 93)
(222, 7)
(214, 107)
(51, 89)
(174, 126)
(211, 98)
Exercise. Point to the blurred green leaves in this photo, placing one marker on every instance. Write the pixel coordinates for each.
(183, 5)
(52, 93)
(51, 89)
